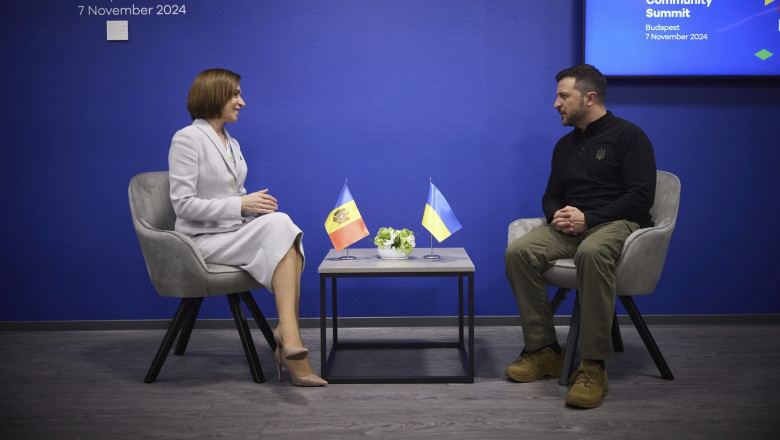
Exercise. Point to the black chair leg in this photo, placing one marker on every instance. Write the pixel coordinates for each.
(182, 313)
(647, 338)
(558, 298)
(186, 329)
(249, 300)
(571, 342)
(617, 339)
(246, 338)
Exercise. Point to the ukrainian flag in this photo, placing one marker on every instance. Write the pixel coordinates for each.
(438, 217)
(344, 224)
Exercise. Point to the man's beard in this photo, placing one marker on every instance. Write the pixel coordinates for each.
(573, 117)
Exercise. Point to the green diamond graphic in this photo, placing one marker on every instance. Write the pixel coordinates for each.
(763, 54)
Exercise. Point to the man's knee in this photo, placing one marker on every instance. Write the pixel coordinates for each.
(595, 253)
(517, 253)
(510, 252)
(587, 252)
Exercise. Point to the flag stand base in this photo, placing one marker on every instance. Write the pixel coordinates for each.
(347, 257)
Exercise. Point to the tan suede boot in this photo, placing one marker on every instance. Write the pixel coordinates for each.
(535, 365)
(590, 385)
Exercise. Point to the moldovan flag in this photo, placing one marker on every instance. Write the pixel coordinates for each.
(344, 224)
(438, 217)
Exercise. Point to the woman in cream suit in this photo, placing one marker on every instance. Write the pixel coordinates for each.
(229, 225)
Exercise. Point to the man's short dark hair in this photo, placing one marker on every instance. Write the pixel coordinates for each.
(586, 79)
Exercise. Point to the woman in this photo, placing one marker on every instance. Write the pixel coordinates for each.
(229, 226)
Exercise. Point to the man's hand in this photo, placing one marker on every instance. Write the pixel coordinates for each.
(259, 203)
(569, 220)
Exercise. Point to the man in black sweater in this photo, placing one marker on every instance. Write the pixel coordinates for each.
(600, 190)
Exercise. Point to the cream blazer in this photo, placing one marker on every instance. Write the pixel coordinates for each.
(206, 189)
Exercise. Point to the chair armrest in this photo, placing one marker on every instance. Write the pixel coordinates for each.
(640, 265)
(521, 226)
(174, 263)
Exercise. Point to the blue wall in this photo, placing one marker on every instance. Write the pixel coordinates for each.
(385, 93)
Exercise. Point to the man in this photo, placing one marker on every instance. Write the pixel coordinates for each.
(600, 190)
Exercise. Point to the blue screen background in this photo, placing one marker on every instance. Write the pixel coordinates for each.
(616, 38)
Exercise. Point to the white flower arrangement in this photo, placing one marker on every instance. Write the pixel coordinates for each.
(401, 240)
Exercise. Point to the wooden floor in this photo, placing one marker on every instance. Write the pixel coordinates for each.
(88, 385)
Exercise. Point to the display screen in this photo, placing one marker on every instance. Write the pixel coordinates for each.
(683, 37)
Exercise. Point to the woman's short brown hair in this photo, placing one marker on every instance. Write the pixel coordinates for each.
(210, 91)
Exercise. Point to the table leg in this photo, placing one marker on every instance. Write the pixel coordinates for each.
(460, 312)
(471, 327)
(334, 313)
(323, 325)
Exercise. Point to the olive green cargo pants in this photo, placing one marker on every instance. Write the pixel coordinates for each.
(595, 253)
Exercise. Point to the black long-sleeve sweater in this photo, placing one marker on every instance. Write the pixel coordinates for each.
(607, 172)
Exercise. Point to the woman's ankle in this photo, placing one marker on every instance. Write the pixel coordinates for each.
(290, 335)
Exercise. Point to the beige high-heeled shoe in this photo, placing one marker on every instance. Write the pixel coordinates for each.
(312, 380)
(288, 352)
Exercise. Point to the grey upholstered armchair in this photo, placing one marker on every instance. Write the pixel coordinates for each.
(637, 272)
(177, 269)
